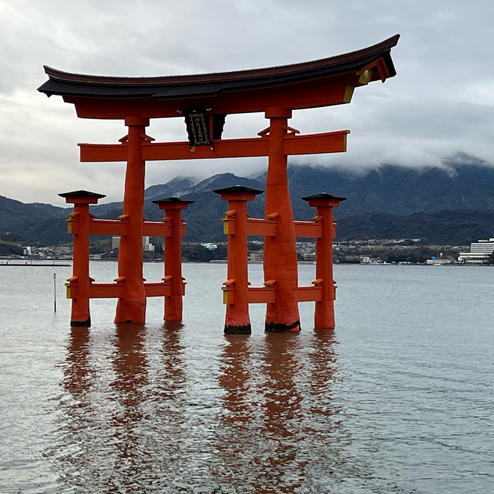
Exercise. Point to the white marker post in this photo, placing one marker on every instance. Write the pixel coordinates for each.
(55, 293)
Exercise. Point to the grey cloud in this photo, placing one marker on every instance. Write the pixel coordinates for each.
(438, 104)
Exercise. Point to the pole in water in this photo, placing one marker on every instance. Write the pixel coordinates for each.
(55, 293)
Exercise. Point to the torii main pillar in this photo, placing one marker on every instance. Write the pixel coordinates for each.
(132, 306)
(280, 255)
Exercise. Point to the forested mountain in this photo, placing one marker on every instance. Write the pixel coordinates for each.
(452, 204)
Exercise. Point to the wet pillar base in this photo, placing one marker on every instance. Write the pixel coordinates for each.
(131, 311)
(81, 323)
(276, 327)
(244, 329)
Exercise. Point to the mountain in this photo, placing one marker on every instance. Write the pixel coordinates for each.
(204, 217)
(449, 227)
(460, 184)
(43, 222)
(451, 204)
(178, 186)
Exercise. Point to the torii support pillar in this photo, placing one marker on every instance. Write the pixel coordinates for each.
(324, 308)
(173, 256)
(78, 225)
(236, 287)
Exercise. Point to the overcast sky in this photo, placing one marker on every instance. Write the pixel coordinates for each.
(439, 104)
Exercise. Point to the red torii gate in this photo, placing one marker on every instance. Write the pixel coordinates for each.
(204, 101)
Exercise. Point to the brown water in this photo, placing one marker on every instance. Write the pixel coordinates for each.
(397, 399)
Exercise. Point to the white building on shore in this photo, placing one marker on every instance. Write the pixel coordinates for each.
(479, 252)
(147, 246)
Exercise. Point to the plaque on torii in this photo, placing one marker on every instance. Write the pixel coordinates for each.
(204, 101)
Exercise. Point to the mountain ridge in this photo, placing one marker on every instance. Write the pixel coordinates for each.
(389, 191)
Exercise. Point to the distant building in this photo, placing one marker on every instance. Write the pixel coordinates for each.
(210, 246)
(146, 245)
(256, 256)
(439, 262)
(479, 252)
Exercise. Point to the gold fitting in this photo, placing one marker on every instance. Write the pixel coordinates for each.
(365, 77)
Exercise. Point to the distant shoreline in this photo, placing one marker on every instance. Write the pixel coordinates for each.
(27, 264)
(7, 262)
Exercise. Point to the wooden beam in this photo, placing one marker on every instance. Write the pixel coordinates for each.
(257, 226)
(105, 290)
(261, 294)
(103, 152)
(107, 227)
(313, 93)
(114, 290)
(308, 229)
(227, 148)
(328, 142)
(309, 293)
(157, 289)
(157, 229)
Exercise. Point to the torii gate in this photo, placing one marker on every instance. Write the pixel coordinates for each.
(205, 101)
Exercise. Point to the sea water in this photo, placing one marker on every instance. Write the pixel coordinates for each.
(397, 399)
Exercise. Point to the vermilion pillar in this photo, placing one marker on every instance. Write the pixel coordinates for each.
(173, 256)
(78, 225)
(280, 255)
(324, 308)
(132, 306)
(236, 287)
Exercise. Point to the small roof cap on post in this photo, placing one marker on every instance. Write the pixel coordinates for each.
(172, 203)
(240, 192)
(323, 199)
(81, 196)
(323, 195)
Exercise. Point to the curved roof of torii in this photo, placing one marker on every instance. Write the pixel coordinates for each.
(205, 86)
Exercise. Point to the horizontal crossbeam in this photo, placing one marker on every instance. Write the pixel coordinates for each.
(158, 229)
(328, 142)
(107, 227)
(308, 229)
(258, 226)
(264, 294)
(116, 290)
(103, 290)
(118, 228)
(261, 294)
(158, 289)
(309, 293)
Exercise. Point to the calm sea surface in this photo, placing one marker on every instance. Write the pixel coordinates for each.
(397, 399)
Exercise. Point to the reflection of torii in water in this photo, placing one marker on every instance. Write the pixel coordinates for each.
(205, 100)
(279, 424)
